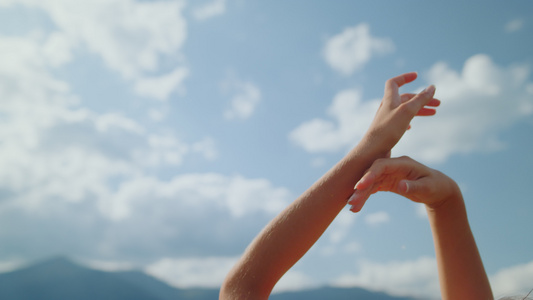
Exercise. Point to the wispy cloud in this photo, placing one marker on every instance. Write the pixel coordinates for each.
(419, 278)
(377, 218)
(160, 87)
(90, 178)
(129, 36)
(514, 25)
(210, 272)
(192, 272)
(513, 280)
(403, 278)
(244, 100)
(351, 49)
(349, 118)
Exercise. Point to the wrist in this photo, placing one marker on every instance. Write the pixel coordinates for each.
(375, 144)
(452, 202)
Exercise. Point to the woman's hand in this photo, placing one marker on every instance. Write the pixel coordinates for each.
(406, 177)
(396, 112)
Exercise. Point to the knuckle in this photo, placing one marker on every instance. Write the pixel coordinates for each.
(378, 165)
(390, 83)
(405, 158)
(380, 160)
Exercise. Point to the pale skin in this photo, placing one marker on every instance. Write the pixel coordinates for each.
(290, 234)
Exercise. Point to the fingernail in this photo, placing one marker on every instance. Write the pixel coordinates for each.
(358, 184)
(352, 198)
(356, 208)
(429, 89)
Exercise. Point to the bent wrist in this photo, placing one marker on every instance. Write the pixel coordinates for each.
(453, 202)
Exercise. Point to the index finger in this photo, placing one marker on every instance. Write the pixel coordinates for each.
(392, 86)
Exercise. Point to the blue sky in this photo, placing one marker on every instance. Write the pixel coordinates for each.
(163, 135)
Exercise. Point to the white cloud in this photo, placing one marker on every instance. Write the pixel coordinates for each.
(160, 87)
(377, 218)
(108, 265)
(335, 238)
(211, 271)
(89, 179)
(157, 114)
(417, 278)
(514, 25)
(130, 36)
(351, 117)
(529, 88)
(340, 227)
(41, 114)
(209, 10)
(11, 265)
(192, 272)
(50, 138)
(235, 195)
(478, 104)
(58, 49)
(294, 280)
(246, 97)
(421, 210)
(61, 162)
(72, 176)
(513, 280)
(163, 149)
(207, 147)
(350, 50)
(112, 121)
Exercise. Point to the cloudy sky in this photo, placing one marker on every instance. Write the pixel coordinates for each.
(163, 135)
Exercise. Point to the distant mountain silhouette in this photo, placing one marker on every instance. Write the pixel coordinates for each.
(61, 279)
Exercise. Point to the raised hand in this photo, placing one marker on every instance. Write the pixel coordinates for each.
(396, 112)
(405, 177)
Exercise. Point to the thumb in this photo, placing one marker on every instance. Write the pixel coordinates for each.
(408, 188)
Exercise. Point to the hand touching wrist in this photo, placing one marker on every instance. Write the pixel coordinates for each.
(405, 177)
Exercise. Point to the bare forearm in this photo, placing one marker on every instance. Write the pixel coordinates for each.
(461, 271)
(293, 232)
(290, 235)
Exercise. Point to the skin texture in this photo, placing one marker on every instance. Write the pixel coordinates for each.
(461, 271)
(290, 234)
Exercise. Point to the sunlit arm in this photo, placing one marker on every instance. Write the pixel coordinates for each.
(290, 235)
(461, 271)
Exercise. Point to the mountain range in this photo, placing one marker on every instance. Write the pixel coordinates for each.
(60, 278)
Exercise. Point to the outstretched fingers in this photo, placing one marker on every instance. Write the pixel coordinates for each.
(423, 98)
(403, 79)
(434, 102)
(426, 110)
(393, 85)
